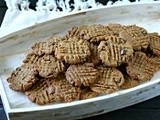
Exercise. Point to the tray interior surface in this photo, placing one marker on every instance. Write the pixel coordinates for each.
(150, 21)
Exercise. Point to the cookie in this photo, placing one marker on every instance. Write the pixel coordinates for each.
(93, 33)
(87, 93)
(114, 55)
(109, 80)
(48, 66)
(46, 47)
(140, 67)
(129, 83)
(115, 28)
(79, 75)
(31, 58)
(155, 60)
(136, 29)
(23, 78)
(132, 32)
(75, 31)
(53, 90)
(115, 40)
(94, 57)
(154, 44)
(72, 51)
(138, 42)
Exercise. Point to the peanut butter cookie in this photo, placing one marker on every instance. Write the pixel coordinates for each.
(79, 75)
(53, 90)
(23, 78)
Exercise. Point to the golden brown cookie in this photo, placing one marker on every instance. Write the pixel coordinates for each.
(136, 29)
(75, 31)
(138, 41)
(94, 57)
(109, 80)
(31, 58)
(140, 67)
(115, 28)
(53, 90)
(114, 54)
(46, 47)
(129, 83)
(23, 78)
(87, 93)
(43, 48)
(72, 51)
(48, 66)
(156, 63)
(155, 60)
(79, 75)
(93, 33)
(115, 40)
(154, 44)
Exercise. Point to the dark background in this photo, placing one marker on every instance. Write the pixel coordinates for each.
(148, 110)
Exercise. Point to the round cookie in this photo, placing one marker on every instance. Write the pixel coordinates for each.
(115, 28)
(81, 75)
(140, 67)
(113, 54)
(109, 80)
(138, 42)
(53, 90)
(155, 60)
(23, 78)
(46, 47)
(72, 51)
(48, 66)
(31, 58)
(136, 29)
(154, 44)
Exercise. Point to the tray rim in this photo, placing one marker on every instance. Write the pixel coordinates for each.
(39, 108)
(53, 107)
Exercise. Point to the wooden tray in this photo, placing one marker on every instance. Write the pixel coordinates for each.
(14, 47)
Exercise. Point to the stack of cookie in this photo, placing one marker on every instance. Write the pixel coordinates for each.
(89, 60)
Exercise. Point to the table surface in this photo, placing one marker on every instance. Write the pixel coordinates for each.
(148, 110)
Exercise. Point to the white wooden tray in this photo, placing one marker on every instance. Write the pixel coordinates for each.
(14, 47)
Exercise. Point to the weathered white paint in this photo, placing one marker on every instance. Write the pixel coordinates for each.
(15, 46)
